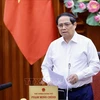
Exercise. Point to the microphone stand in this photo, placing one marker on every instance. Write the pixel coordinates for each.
(69, 65)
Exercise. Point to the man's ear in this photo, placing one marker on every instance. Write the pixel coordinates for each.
(75, 25)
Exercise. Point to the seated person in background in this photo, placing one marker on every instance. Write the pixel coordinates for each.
(73, 56)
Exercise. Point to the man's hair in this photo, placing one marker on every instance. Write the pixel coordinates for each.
(72, 17)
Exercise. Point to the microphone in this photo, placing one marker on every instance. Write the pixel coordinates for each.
(4, 86)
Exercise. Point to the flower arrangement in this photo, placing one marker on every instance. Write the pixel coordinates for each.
(80, 6)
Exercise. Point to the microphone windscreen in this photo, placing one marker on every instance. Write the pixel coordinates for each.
(6, 85)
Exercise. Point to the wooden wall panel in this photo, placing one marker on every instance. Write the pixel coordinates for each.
(94, 34)
(1, 61)
(1, 51)
(14, 67)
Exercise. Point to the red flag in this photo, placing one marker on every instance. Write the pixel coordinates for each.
(32, 24)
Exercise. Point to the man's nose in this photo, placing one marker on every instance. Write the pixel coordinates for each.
(63, 27)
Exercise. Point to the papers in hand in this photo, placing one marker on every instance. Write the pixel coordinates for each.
(59, 80)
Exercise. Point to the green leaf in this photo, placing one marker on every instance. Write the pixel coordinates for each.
(90, 20)
(76, 8)
(98, 1)
(65, 1)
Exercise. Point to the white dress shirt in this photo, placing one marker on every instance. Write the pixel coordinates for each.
(79, 52)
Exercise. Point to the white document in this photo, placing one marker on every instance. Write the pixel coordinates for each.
(59, 80)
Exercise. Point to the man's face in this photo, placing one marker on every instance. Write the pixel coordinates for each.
(65, 27)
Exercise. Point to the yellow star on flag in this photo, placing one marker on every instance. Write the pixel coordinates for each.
(18, 1)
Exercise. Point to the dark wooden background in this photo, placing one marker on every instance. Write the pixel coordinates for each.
(14, 67)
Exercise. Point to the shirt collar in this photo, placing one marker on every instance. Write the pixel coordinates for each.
(74, 38)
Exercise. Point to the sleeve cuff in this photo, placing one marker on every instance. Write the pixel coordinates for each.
(79, 74)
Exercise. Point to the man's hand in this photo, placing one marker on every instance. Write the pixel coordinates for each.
(72, 79)
(43, 83)
(50, 84)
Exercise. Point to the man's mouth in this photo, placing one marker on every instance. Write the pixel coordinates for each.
(64, 32)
